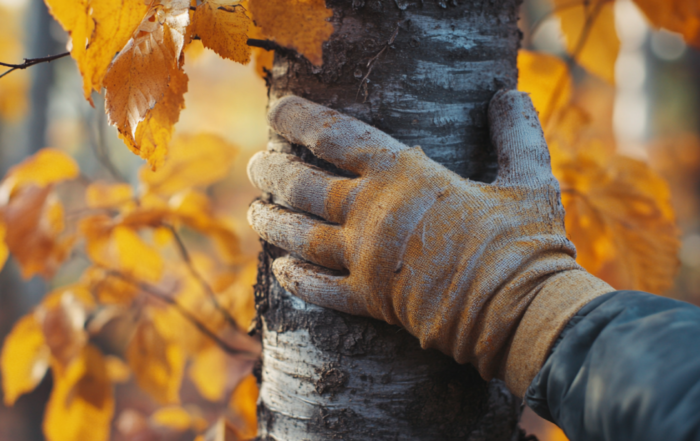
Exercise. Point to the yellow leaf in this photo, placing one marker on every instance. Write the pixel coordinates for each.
(98, 29)
(104, 195)
(194, 161)
(81, 403)
(108, 288)
(141, 75)
(591, 38)
(4, 250)
(117, 370)
(24, 359)
(178, 418)
(136, 257)
(546, 78)
(223, 28)
(298, 24)
(244, 404)
(157, 363)
(34, 225)
(681, 16)
(47, 166)
(208, 372)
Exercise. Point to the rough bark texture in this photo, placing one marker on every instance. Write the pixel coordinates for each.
(433, 66)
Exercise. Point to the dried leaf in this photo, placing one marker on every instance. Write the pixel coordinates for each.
(194, 161)
(681, 16)
(591, 38)
(546, 78)
(297, 24)
(81, 403)
(62, 315)
(223, 28)
(157, 363)
(46, 167)
(104, 195)
(34, 227)
(24, 359)
(178, 418)
(108, 288)
(144, 71)
(98, 29)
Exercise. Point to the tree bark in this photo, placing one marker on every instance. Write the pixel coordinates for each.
(423, 71)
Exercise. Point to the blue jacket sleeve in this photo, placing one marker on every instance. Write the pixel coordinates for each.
(626, 367)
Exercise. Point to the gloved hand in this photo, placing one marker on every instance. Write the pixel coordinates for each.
(483, 272)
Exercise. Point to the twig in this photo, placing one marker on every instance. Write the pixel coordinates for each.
(371, 62)
(28, 62)
(185, 313)
(190, 266)
(268, 45)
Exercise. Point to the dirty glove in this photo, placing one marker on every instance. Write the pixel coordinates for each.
(483, 272)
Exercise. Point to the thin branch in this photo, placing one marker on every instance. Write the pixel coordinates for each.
(190, 266)
(372, 61)
(268, 45)
(152, 291)
(28, 62)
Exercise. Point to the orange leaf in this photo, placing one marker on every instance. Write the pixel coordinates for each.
(34, 226)
(223, 28)
(98, 29)
(46, 167)
(194, 161)
(546, 78)
(81, 403)
(146, 72)
(157, 363)
(681, 16)
(24, 359)
(591, 38)
(244, 404)
(298, 24)
(208, 372)
(178, 418)
(4, 250)
(108, 288)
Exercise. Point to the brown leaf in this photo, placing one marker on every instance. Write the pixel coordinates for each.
(223, 28)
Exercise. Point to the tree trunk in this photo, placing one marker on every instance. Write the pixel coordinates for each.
(433, 66)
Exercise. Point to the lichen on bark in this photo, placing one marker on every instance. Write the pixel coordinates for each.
(423, 71)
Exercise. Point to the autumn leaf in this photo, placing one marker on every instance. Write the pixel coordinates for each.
(244, 404)
(178, 419)
(105, 195)
(99, 29)
(263, 58)
(109, 289)
(681, 16)
(157, 363)
(34, 225)
(46, 167)
(301, 25)
(4, 250)
(24, 359)
(81, 403)
(194, 161)
(117, 370)
(546, 78)
(591, 38)
(147, 71)
(223, 27)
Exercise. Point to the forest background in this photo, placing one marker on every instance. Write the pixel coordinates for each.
(620, 107)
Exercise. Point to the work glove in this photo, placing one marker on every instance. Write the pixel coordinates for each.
(482, 272)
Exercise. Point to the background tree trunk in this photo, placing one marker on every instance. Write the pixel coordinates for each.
(423, 71)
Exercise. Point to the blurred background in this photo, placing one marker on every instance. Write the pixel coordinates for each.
(653, 114)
